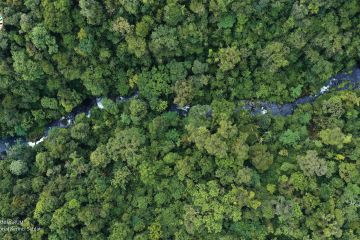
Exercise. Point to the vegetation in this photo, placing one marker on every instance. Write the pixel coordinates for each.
(135, 170)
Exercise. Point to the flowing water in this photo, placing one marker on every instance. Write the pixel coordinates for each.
(352, 81)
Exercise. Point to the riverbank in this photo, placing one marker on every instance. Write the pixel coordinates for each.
(351, 81)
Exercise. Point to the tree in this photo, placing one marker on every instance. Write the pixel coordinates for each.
(275, 56)
(199, 67)
(290, 138)
(100, 157)
(57, 15)
(126, 146)
(136, 45)
(349, 172)
(143, 27)
(69, 99)
(132, 6)
(94, 79)
(18, 167)
(335, 137)
(50, 103)
(120, 230)
(311, 164)
(155, 231)
(28, 69)
(184, 91)
(121, 177)
(121, 25)
(200, 136)
(164, 42)
(138, 110)
(154, 84)
(216, 145)
(92, 10)
(43, 162)
(260, 157)
(228, 58)
(241, 149)
(43, 40)
(197, 6)
(173, 14)
(81, 131)
(227, 21)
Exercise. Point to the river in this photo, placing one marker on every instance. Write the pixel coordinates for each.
(352, 81)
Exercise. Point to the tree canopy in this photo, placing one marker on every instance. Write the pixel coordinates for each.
(137, 169)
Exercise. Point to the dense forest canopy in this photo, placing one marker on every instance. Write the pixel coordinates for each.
(135, 170)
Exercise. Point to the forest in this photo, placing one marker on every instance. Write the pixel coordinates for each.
(135, 169)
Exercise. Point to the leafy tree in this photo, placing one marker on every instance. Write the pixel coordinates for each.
(138, 110)
(51, 103)
(289, 137)
(57, 15)
(228, 58)
(275, 56)
(184, 90)
(121, 25)
(141, 167)
(43, 40)
(136, 45)
(260, 157)
(28, 69)
(18, 167)
(126, 146)
(216, 145)
(349, 172)
(240, 148)
(143, 27)
(311, 164)
(173, 13)
(92, 10)
(153, 85)
(100, 157)
(164, 42)
(334, 137)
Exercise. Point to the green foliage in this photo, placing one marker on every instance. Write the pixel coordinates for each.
(260, 157)
(184, 91)
(92, 10)
(144, 26)
(349, 172)
(18, 167)
(334, 137)
(173, 13)
(49, 103)
(228, 58)
(28, 69)
(126, 146)
(311, 164)
(246, 52)
(136, 45)
(275, 54)
(99, 157)
(289, 137)
(43, 40)
(227, 21)
(164, 42)
(57, 15)
(138, 111)
(153, 84)
(138, 169)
